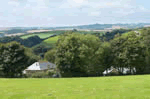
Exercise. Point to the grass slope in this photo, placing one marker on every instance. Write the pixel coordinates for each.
(51, 40)
(41, 35)
(47, 34)
(125, 87)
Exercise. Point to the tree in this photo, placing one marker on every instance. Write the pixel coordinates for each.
(41, 49)
(14, 59)
(74, 30)
(135, 52)
(50, 55)
(76, 55)
(145, 34)
(105, 58)
(129, 52)
(119, 59)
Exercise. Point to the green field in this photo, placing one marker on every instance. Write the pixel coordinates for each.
(47, 34)
(51, 40)
(125, 87)
(41, 35)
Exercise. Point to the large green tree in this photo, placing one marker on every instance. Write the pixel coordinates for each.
(119, 59)
(76, 55)
(145, 33)
(15, 58)
(135, 51)
(105, 56)
(129, 51)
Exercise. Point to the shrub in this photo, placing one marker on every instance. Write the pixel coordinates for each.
(50, 73)
(47, 74)
(38, 75)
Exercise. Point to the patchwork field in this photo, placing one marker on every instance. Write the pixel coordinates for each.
(125, 87)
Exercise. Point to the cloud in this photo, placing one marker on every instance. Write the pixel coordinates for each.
(13, 3)
(95, 13)
(50, 12)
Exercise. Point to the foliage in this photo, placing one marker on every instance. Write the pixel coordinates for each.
(110, 35)
(11, 31)
(105, 57)
(50, 55)
(50, 73)
(38, 75)
(76, 55)
(41, 74)
(129, 51)
(41, 49)
(14, 59)
(31, 41)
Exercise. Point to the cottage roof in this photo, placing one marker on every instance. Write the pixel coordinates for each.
(41, 66)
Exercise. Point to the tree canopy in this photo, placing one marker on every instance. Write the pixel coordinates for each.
(15, 58)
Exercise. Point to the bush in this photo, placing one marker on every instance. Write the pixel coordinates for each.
(47, 74)
(38, 75)
(50, 73)
(113, 73)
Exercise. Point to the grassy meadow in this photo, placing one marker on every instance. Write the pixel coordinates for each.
(121, 87)
(41, 35)
(47, 34)
(51, 40)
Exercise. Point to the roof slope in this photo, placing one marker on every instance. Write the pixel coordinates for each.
(41, 66)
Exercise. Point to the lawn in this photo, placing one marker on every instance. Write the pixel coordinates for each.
(125, 87)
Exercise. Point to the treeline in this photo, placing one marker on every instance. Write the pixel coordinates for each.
(29, 42)
(84, 55)
(79, 55)
(19, 30)
(110, 35)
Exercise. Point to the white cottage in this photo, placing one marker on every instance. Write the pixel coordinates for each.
(39, 67)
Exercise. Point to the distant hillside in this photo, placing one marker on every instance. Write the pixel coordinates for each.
(25, 30)
(105, 26)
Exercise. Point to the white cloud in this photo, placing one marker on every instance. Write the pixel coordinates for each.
(50, 18)
(74, 3)
(13, 3)
(78, 1)
(42, 12)
(95, 13)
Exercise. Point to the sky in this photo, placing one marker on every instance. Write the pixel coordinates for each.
(53, 13)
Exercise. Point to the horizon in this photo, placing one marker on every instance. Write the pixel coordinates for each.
(72, 25)
(60, 13)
